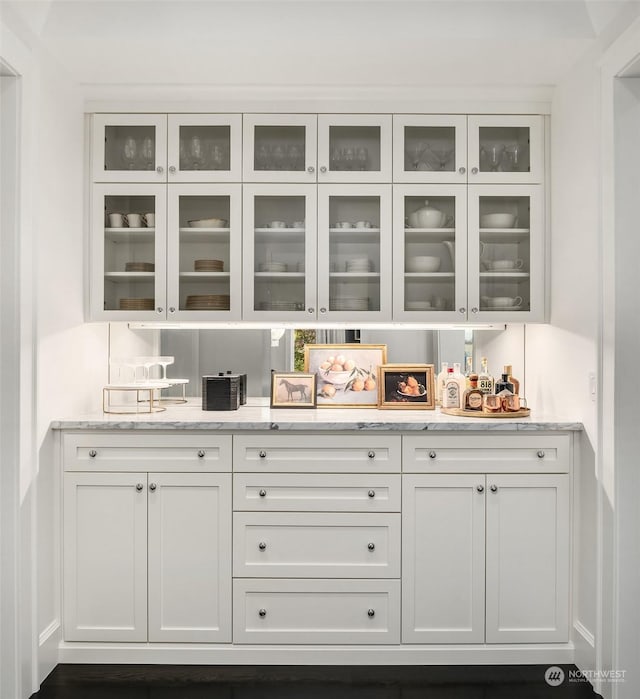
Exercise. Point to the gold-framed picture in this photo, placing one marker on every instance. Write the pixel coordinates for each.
(347, 374)
(293, 390)
(406, 386)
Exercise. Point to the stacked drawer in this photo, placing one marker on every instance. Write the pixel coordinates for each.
(316, 539)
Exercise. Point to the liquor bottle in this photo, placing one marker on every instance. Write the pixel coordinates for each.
(469, 371)
(472, 398)
(504, 385)
(485, 380)
(451, 391)
(516, 384)
(440, 383)
(462, 381)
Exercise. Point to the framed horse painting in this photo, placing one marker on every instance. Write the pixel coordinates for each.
(293, 390)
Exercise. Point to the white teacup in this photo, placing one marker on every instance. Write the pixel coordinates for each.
(277, 224)
(150, 220)
(298, 224)
(343, 224)
(134, 220)
(117, 220)
(503, 265)
(363, 224)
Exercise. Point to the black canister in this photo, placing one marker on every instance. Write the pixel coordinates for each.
(221, 392)
(243, 386)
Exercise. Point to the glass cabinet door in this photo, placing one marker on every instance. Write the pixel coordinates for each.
(205, 147)
(505, 149)
(129, 148)
(128, 279)
(204, 252)
(279, 252)
(430, 253)
(506, 253)
(354, 252)
(430, 148)
(279, 147)
(354, 148)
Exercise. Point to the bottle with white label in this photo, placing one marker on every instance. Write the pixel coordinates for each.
(485, 380)
(451, 394)
(440, 382)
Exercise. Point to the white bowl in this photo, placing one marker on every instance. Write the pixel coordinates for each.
(503, 220)
(418, 305)
(208, 223)
(423, 263)
(505, 265)
(502, 301)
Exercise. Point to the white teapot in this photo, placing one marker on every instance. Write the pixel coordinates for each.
(427, 217)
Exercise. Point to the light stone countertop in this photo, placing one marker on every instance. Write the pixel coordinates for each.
(256, 415)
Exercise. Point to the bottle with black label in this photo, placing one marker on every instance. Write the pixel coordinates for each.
(504, 385)
(485, 380)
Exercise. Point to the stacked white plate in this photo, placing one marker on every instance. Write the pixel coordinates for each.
(418, 305)
(359, 264)
(279, 306)
(350, 304)
(273, 267)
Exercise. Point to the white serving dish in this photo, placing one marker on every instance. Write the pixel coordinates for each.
(208, 223)
(423, 263)
(498, 220)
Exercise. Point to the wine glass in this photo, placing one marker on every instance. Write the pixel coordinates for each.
(148, 153)
(362, 157)
(440, 155)
(279, 156)
(130, 152)
(494, 157)
(217, 157)
(336, 159)
(197, 152)
(262, 157)
(415, 154)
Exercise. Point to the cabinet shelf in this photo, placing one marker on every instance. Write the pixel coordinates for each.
(429, 275)
(197, 235)
(494, 276)
(130, 235)
(124, 277)
(347, 276)
(355, 235)
(284, 276)
(503, 235)
(195, 276)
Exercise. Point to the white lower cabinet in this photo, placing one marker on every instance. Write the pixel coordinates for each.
(485, 558)
(316, 611)
(147, 557)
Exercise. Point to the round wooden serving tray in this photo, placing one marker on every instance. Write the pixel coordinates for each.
(459, 412)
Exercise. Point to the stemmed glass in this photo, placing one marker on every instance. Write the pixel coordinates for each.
(491, 157)
(362, 157)
(129, 152)
(148, 152)
(415, 153)
(217, 157)
(197, 152)
(164, 363)
(262, 157)
(441, 155)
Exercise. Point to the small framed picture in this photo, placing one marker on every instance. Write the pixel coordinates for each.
(293, 390)
(406, 386)
(347, 374)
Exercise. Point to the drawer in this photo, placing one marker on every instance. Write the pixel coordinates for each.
(316, 492)
(486, 453)
(325, 453)
(316, 545)
(316, 611)
(99, 451)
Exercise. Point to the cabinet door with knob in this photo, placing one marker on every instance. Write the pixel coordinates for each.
(129, 148)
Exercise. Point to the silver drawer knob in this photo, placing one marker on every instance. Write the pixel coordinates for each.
(152, 486)
(172, 309)
(311, 310)
(262, 612)
(160, 309)
(323, 168)
(474, 171)
(480, 488)
(262, 546)
(432, 454)
(493, 488)
(474, 310)
(371, 612)
(371, 493)
(93, 453)
(201, 453)
(262, 493)
(311, 169)
(139, 487)
(262, 454)
(159, 169)
(323, 310)
(172, 169)
(462, 170)
(462, 310)
(541, 454)
(371, 454)
(371, 546)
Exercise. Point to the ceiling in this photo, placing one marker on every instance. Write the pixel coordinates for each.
(314, 43)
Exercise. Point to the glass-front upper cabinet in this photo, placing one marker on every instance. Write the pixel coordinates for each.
(279, 252)
(430, 148)
(430, 253)
(129, 147)
(128, 253)
(279, 147)
(354, 148)
(505, 149)
(204, 252)
(506, 253)
(205, 148)
(354, 252)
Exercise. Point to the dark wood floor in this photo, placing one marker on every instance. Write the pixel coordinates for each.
(308, 682)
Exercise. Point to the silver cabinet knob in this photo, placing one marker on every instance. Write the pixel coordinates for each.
(371, 493)
(474, 310)
(323, 168)
(541, 454)
(172, 169)
(462, 310)
(493, 488)
(262, 546)
(93, 453)
(262, 612)
(201, 453)
(311, 310)
(139, 487)
(371, 454)
(371, 612)
(462, 170)
(323, 310)
(474, 171)
(480, 488)
(160, 309)
(262, 454)
(371, 546)
(311, 169)
(262, 493)
(159, 169)
(172, 309)
(432, 454)
(152, 486)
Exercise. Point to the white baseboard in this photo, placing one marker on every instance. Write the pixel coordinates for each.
(585, 643)
(48, 649)
(223, 654)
